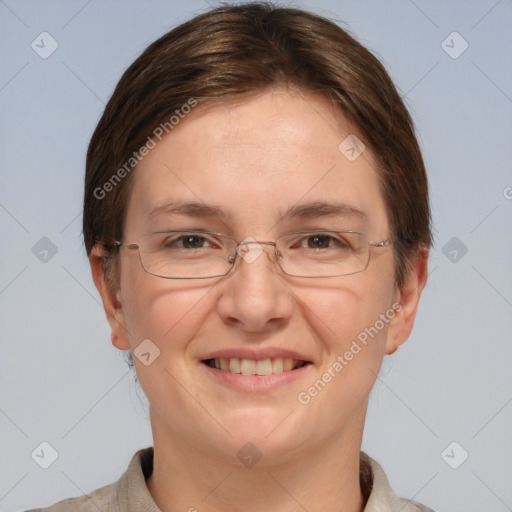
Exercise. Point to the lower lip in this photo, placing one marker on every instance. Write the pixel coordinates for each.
(256, 382)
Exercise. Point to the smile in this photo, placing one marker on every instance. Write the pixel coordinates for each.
(260, 367)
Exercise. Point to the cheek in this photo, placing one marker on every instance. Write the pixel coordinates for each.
(343, 311)
(169, 319)
(353, 334)
(168, 312)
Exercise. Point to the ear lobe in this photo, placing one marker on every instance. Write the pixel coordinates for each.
(110, 298)
(408, 296)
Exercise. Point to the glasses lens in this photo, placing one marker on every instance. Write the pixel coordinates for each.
(323, 253)
(186, 254)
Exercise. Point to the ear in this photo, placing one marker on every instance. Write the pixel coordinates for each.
(111, 299)
(408, 296)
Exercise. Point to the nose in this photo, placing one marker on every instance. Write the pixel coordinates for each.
(254, 297)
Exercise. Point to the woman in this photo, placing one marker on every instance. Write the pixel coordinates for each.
(257, 222)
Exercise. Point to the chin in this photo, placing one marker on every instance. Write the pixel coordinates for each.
(274, 431)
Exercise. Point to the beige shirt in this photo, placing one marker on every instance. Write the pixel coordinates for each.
(130, 493)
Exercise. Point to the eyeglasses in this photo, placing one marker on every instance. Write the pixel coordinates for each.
(204, 255)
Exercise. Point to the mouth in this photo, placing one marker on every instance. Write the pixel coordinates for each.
(262, 367)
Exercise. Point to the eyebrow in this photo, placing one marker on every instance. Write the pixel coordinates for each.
(302, 211)
(323, 209)
(190, 208)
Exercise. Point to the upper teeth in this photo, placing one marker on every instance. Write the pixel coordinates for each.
(253, 367)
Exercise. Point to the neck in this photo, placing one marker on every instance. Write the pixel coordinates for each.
(187, 477)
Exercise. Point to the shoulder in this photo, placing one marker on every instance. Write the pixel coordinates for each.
(98, 499)
(380, 496)
(130, 488)
(412, 506)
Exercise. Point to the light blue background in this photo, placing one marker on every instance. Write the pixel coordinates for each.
(62, 381)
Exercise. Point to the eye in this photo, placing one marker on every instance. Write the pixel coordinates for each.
(322, 241)
(188, 241)
(319, 241)
(191, 241)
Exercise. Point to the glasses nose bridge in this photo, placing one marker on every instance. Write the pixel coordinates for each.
(257, 243)
(247, 242)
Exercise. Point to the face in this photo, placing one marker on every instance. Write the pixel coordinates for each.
(259, 161)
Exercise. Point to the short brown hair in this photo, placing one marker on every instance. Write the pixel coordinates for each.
(240, 49)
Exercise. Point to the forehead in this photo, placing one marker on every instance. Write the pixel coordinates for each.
(252, 160)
